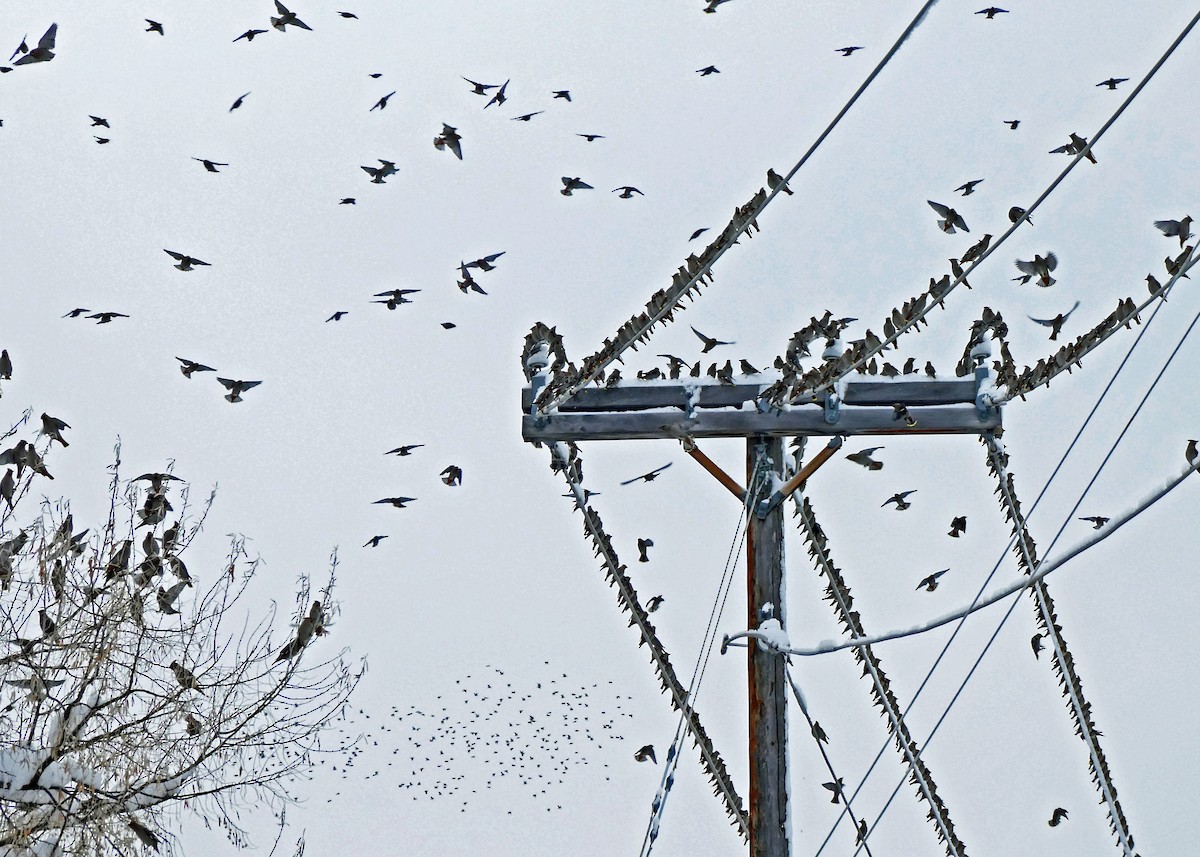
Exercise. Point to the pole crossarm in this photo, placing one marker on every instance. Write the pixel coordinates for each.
(1063, 663)
(689, 446)
(837, 593)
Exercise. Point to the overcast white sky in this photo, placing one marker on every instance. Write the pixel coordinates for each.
(494, 575)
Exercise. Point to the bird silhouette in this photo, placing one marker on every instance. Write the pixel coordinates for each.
(1112, 82)
(500, 97)
(404, 450)
(836, 787)
(249, 37)
(452, 475)
(991, 12)
(398, 502)
(525, 117)
(591, 138)
(648, 477)
(211, 166)
(958, 526)
(930, 583)
(1012, 123)
(190, 366)
(374, 541)
(1040, 267)
(775, 180)
(864, 459)
(1097, 521)
(183, 261)
(337, 316)
(654, 603)
(707, 70)
(968, 188)
(644, 545)
(709, 342)
(287, 17)
(237, 102)
(644, 753)
(899, 500)
(570, 185)
(848, 51)
(1035, 643)
(106, 317)
(480, 88)
(1058, 817)
(951, 219)
(382, 103)
(236, 388)
(1055, 324)
(1176, 228)
(154, 27)
(627, 191)
(44, 52)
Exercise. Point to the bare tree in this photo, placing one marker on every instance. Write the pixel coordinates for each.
(131, 690)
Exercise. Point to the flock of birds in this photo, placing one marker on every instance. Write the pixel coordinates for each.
(517, 736)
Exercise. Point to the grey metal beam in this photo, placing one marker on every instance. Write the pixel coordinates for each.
(797, 421)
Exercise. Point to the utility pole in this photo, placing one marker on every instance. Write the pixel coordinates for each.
(695, 409)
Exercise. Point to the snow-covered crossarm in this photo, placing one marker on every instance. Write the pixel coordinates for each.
(1073, 353)
(565, 459)
(1063, 663)
(837, 593)
(661, 308)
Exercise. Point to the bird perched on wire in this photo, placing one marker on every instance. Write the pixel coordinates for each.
(654, 603)
(643, 546)
(968, 188)
(570, 185)
(1035, 643)
(648, 477)
(452, 475)
(976, 250)
(1112, 82)
(190, 366)
(236, 388)
(500, 97)
(836, 787)
(863, 458)
(775, 180)
(1172, 228)
(1097, 521)
(1055, 324)
(1016, 214)
(1057, 817)
(958, 526)
(818, 733)
(899, 500)
(287, 17)
(1191, 453)
(951, 219)
(185, 262)
(627, 191)
(44, 52)
(1040, 267)
(930, 583)
(709, 342)
(645, 753)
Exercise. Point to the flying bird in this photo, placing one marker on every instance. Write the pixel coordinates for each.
(562, 93)
(643, 546)
(348, 15)
(102, 140)
(449, 139)
(106, 317)
(627, 191)
(1040, 267)
(707, 70)
(398, 502)
(348, 200)
(648, 477)
(486, 263)
(992, 12)
(711, 8)
(930, 583)
(1172, 228)
(287, 17)
(75, 313)
(1058, 817)
(645, 753)
(847, 51)
(44, 52)
(99, 122)
(654, 603)
(958, 526)
(836, 787)
(238, 101)
(382, 103)
(211, 166)
(863, 458)
(480, 88)
(591, 138)
(1112, 82)
(452, 475)
(709, 342)
(525, 117)
(249, 35)
(968, 188)
(698, 233)
(374, 541)
(1097, 521)
(573, 184)
(337, 316)
(950, 218)
(154, 27)
(1055, 324)
(185, 262)
(500, 97)
(190, 366)
(1035, 643)
(898, 499)
(404, 450)
(236, 388)
(1011, 123)
(378, 174)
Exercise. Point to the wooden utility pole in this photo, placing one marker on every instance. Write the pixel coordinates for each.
(700, 409)
(764, 669)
